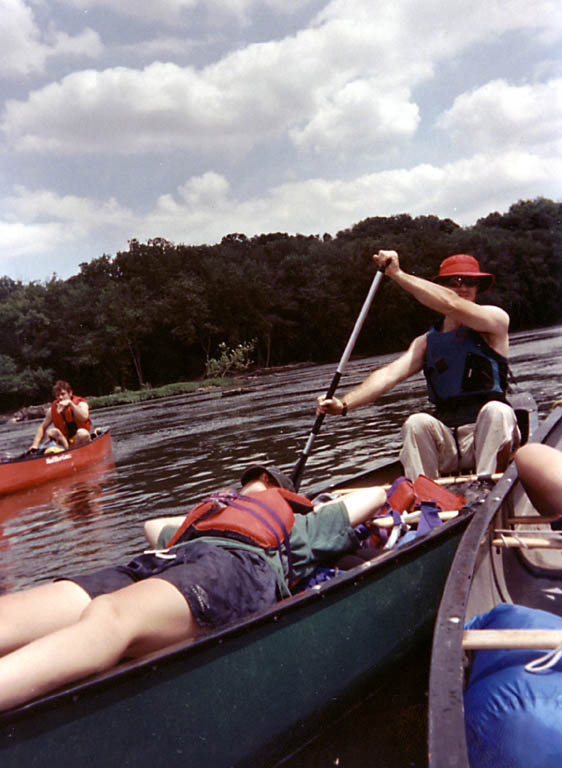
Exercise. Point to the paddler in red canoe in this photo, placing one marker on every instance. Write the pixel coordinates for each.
(67, 422)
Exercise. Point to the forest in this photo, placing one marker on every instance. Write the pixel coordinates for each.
(158, 312)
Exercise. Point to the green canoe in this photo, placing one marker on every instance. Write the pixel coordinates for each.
(255, 691)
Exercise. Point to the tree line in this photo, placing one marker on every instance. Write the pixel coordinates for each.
(158, 312)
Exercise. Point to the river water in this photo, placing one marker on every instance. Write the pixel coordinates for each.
(166, 454)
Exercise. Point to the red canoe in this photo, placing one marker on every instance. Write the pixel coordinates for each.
(18, 474)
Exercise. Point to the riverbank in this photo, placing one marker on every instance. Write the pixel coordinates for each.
(226, 385)
(237, 384)
(126, 397)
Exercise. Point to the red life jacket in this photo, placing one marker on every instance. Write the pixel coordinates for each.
(264, 518)
(66, 421)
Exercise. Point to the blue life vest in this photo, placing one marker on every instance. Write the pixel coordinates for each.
(462, 373)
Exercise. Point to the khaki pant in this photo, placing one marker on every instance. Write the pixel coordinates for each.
(430, 448)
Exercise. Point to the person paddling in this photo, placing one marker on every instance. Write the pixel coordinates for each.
(464, 359)
(67, 422)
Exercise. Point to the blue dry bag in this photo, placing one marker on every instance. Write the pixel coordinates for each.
(513, 717)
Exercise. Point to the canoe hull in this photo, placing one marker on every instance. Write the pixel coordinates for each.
(481, 576)
(253, 693)
(29, 472)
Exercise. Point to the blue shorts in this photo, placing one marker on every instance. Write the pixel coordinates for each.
(220, 585)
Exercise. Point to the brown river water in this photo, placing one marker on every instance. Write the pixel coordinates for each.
(167, 453)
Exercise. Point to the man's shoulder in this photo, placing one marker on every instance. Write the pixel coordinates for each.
(495, 310)
(499, 331)
(419, 343)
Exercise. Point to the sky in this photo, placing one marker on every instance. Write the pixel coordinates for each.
(193, 119)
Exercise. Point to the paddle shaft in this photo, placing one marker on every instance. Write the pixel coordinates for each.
(296, 475)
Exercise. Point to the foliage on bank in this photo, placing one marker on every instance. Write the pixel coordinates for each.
(127, 397)
(159, 312)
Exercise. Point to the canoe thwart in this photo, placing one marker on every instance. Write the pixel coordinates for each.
(520, 639)
(552, 540)
(532, 519)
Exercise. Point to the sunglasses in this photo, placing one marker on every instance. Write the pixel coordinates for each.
(455, 281)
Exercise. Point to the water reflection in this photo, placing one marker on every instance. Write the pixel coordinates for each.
(76, 495)
(50, 520)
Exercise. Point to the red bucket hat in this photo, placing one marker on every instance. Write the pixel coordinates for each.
(466, 266)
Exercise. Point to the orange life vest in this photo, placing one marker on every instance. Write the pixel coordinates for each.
(262, 517)
(66, 421)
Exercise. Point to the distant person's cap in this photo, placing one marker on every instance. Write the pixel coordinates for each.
(464, 265)
(278, 477)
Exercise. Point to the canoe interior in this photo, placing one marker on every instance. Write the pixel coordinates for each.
(483, 575)
(252, 693)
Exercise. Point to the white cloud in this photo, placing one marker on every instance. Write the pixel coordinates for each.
(205, 189)
(433, 27)
(345, 81)
(206, 208)
(26, 48)
(86, 44)
(499, 115)
(159, 48)
(163, 107)
(22, 50)
(77, 215)
(168, 11)
(252, 95)
(359, 116)
(20, 239)
(339, 94)
(461, 190)
(45, 232)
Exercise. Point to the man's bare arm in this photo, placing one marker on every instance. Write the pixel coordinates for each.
(153, 528)
(41, 431)
(381, 380)
(486, 319)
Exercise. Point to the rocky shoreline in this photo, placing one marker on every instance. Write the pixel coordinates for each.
(30, 412)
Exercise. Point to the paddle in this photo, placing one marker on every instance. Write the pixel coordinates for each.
(296, 474)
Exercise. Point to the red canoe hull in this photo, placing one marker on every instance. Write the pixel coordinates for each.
(17, 475)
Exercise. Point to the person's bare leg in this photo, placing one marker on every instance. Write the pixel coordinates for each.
(131, 622)
(55, 434)
(540, 470)
(82, 437)
(32, 613)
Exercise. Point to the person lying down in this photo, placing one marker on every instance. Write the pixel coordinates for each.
(235, 553)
